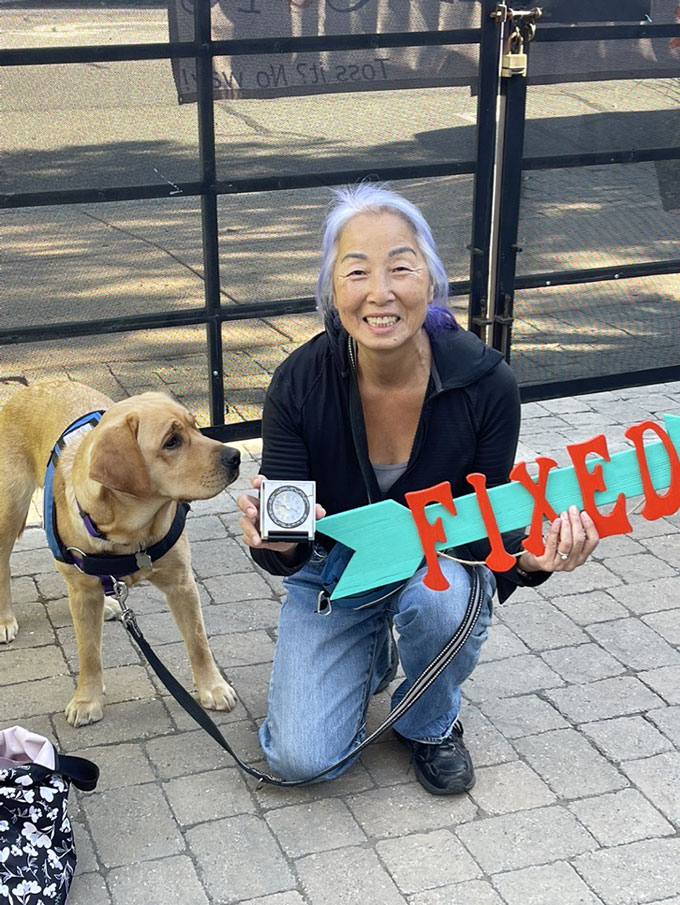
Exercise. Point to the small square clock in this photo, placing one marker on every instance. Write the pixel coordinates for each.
(287, 510)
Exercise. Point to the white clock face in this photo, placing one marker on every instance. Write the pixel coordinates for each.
(288, 507)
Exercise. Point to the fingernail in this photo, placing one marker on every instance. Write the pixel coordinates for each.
(573, 509)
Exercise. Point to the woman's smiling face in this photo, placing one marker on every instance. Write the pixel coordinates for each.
(381, 285)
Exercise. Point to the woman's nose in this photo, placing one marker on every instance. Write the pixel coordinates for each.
(380, 287)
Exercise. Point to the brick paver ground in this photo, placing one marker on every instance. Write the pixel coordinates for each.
(572, 717)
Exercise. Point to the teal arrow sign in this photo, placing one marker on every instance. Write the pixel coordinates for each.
(387, 544)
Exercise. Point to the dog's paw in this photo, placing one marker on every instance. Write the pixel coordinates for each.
(8, 629)
(112, 608)
(80, 712)
(220, 696)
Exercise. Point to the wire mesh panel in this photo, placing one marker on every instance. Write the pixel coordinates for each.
(594, 330)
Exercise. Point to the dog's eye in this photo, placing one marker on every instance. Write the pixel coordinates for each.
(173, 442)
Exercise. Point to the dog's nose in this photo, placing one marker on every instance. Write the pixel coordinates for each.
(230, 458)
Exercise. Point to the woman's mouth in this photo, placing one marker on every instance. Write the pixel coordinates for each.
(384, 320)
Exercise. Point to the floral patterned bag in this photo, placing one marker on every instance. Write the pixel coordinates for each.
(37, 851)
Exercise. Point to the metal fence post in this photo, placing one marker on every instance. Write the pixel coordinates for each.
(487, 116)
(209, 221)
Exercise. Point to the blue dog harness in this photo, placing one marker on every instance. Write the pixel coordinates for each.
(108, 568)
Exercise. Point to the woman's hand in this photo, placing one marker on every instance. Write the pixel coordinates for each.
(250, 521)
(570, 541)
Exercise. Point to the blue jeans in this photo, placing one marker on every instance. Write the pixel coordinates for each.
(326, 667)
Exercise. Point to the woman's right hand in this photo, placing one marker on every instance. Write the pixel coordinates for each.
(250, 521)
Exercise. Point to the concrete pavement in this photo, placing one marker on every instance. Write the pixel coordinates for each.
(572, 717)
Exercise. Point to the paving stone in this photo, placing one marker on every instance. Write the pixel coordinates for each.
(473, 892)
(209, 796)
(659, 778)
(387, 762)
(243, 649)
(29, 699)
(354, 781)
(238, 858)
(516, 675)
(621, 817)
(666, 624)
(129, 721)
(665, 681)
(402, 810)
(211, 558)
(119, 765)
(569, 764)
(171, 881)
(668, 721)
(424, 860)
(665, 547)
(87, 857)
(237, 586)
(510, 787)
(353, 874)
(635, 645)
(525, 838)
(501, 643)
(635, 873)
(626, 738)
(485, 743)
(540, 885)
(658, 594)
(35, 629)
(26, 666)
(117, 649)
(525, 715)
(195, 752)
(135, 812)
(205, 527)
(316, 826)
(592, 576)
(584, 609)
(633, 568)
(618, 545)
(279, 898)
(601, 700)
(541, 626)
(583, 663)
(88, 889)
(31, 562)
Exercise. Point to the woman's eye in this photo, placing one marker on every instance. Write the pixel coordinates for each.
(173, 442)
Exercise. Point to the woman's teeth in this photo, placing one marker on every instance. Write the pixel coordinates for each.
(385, 321)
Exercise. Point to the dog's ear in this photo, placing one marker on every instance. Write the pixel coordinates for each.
(116, 460)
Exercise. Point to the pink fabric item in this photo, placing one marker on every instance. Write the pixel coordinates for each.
(20, 746)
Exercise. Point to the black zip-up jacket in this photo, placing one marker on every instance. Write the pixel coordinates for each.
(313, 429)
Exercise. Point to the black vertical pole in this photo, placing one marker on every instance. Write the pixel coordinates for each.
(489, 77)
(206, 150)
(515, 90)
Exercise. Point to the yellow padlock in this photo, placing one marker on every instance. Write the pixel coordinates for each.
(513, 64)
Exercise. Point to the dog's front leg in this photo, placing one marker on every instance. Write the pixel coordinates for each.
(181, 593)
(86, 602)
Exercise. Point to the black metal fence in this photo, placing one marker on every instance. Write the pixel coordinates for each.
(529, 314)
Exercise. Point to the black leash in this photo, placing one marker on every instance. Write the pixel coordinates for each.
(419, 687)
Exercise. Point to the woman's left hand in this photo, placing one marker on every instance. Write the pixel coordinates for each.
(570, 541)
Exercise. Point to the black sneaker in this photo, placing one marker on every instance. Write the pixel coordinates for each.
(443, 769)
(393, 661)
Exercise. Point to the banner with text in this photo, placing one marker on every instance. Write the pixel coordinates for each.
(292, 74)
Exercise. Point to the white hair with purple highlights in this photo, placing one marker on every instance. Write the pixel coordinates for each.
(375, 198)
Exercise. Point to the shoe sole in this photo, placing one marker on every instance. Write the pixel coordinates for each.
(435, 790)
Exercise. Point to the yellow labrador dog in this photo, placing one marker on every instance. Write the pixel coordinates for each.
(118, 488)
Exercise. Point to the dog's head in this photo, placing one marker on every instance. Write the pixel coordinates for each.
(149, 446)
